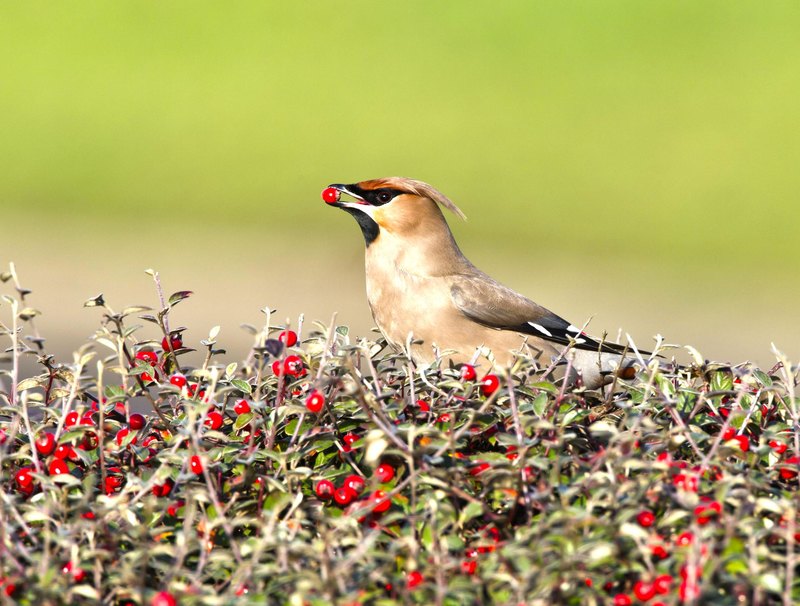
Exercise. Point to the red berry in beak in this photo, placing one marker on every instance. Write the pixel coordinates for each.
(330, 195)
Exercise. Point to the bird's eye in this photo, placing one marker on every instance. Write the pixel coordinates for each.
(384, 196)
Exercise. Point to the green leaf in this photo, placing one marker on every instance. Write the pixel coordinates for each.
(599, 553)
(540, 404)
(31, 383)
(472, 510)
(771, 582)
(242, 420)
(722, 381)
(179, 296)
(87, 591)
(242, 386)
(737, 567)
(634, 531)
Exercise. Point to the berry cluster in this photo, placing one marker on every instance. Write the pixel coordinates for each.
(315, 472)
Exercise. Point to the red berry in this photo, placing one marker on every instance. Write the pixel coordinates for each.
(381, 502)
(65, 451)
(646, 518)
(728, 434)
(293, 365)
(147, 356)
(384, 473)
(330, 195)
(315, 401)
(622, 599)
(744, 442)
(684, 539)
(163, 598)
(289, 337)
(468, 372)
(469, 566)
(45, 443)
(644, 591)
(196, 464)
(214, 420)
(423, 406)
(789, 469)
(24, 478)
(662, 584)
(162, 490)
(72, 419)
(344, 495)
(354, 483)
(413, 579)
(778, 447)
(78, 574)
(175, 340)
(706, 511)
(121, 434)
(479, 468)
(489, 384)
(136, 421)
(685, 482)
(241, 407)
(112, 483)
(324, 489)
(178, 380)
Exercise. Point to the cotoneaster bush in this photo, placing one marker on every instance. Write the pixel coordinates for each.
(321, 470)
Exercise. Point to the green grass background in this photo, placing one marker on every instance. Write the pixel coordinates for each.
(632, 161)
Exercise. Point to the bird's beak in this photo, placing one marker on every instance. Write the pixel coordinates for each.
(359, 203)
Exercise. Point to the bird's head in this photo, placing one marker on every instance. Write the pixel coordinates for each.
(394, 204)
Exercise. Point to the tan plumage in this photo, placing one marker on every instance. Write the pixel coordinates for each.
(419, 283)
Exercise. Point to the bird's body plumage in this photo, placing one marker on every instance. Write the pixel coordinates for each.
(420, 285)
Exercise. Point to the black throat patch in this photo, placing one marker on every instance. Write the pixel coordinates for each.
(369, 228)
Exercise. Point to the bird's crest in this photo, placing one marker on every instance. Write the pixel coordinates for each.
(417, 188)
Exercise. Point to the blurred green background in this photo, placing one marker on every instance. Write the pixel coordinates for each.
(634, 162)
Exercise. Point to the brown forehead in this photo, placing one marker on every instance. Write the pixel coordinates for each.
(380, 183)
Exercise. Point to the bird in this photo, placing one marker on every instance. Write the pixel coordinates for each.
(429, 300)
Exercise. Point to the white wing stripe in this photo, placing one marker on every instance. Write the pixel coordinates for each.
(541, 329)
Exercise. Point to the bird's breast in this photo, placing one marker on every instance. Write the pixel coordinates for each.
(401, 300)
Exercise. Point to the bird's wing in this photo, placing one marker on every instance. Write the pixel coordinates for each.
(487, 302)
